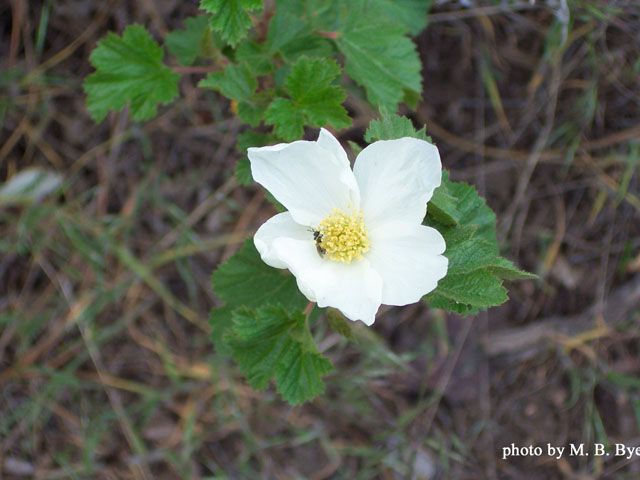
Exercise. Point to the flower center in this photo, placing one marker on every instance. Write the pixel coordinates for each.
(343, 237)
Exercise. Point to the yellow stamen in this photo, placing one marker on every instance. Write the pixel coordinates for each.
(343, 236)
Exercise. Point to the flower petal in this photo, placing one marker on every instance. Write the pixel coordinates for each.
(308, 178)
(355, 289)
(280, 225)
(331, 143)
(409, 259)
(397, 179)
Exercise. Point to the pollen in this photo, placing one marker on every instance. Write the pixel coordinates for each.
(343, 236)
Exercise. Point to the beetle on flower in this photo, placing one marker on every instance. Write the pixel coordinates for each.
(353, 239)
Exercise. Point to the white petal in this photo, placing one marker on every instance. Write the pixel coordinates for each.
(280, 225)
(397, 179)
(331, 143)
(355, 289)
(409, 259)
(308, 178)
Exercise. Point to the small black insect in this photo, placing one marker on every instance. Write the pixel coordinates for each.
(317, 239)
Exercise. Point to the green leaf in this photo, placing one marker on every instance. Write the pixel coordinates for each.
(245, 280)
(309, 46)
(505, 269)
(251, 113)
(391, 127)
(221, 320)
(314, 100)
(280, 75)
(475, 265)
(255, 56)
(468, 227)
(129, 70)
(378, 54)
(479, 288)
(276, 204)
(317, 16)
(235, 82)
(443, 205)
(412, 98)
(338, 323)
(188, 44)
(230, 17)
(271, 342)
(288, 121)
(453, 235)
(473, 210)
(254, 110)
(355, 148)
(243, 171)
(283, 28)
(411, 13)
(473, 254)
(443, 303)
(299, 374)
(289, 35)
(466, 250)
(309, 85)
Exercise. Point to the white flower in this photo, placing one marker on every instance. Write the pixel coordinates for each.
(353, 239)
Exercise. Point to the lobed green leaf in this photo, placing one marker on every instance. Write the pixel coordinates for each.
(289, 36)
(338, 323)
(236, 82)
(479, 288)
(294, 26)
(254, 110)
(411, 13)
(473, 280)
(443, 303)
(272, 342)
(245, 280)
(443, 206)
(313, 99)
(230, 17)
(190, 43)
(378, 55)
(474, 210)
(283, 28)
(287, 120)
(392, 126)
(255, 56)
(475, 265)
(129, 69)
(506, 270)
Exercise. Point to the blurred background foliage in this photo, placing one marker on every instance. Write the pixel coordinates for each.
(110, 233)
